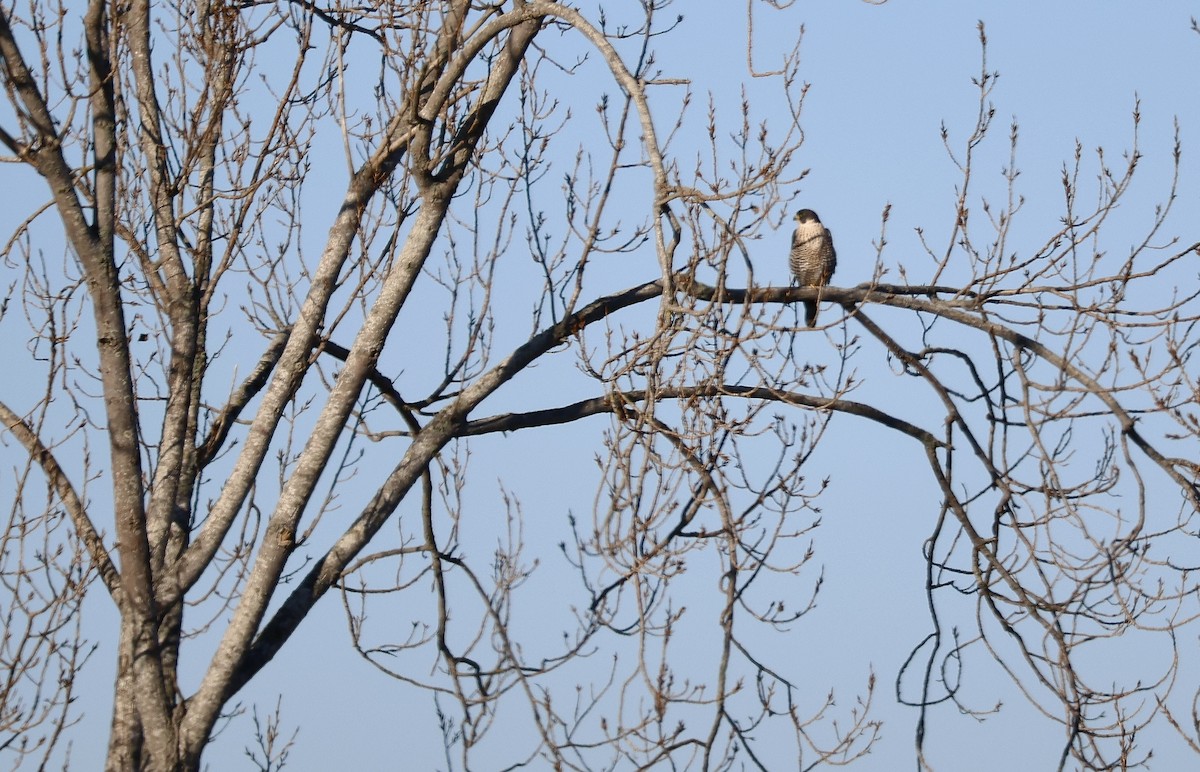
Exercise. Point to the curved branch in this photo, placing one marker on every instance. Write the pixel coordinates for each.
(615, 402)
(1021, 341)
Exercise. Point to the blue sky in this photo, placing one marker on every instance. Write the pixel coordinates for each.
(884, 79)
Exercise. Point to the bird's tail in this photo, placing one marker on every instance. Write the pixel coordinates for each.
(810, 313)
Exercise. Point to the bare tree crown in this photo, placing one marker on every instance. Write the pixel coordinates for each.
(283, 267)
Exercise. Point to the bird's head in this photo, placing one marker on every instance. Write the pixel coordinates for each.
(807, 216)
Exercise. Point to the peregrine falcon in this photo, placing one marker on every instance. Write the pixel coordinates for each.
(812, 258)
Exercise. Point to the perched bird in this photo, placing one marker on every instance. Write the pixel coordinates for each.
(812, 258)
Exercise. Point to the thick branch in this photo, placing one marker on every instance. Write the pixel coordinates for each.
(241, 397)
(426, 444)
(62, 486)
(509, 422)
(449, 423)
(240, 653)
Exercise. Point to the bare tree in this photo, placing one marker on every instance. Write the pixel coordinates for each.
(240, 381)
